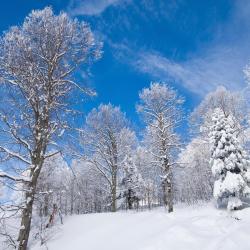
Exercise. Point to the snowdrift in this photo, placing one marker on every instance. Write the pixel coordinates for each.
(188, 228)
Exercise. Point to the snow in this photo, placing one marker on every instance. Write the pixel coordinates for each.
(247, 175)
(217, 167)
(188, 228)
(233, 202)
(233, 183)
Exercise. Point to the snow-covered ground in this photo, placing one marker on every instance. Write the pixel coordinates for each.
(188, 228)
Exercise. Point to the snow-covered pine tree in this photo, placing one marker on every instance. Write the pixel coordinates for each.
(228, 160)
(132, 183)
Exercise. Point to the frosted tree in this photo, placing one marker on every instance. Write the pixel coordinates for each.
(132, 184)
(91, 190)
(38, 65)
(53, 185)
(150, 192)
(160, 107)
(231, 103)
(107, 140)
(144, 162)
(194, 180)
(228, 160)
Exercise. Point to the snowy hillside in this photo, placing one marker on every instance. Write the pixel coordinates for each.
(192, 228)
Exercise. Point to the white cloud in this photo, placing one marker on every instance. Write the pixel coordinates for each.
(90, 7)
(199, 74)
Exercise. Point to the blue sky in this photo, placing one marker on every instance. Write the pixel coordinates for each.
(193, 45)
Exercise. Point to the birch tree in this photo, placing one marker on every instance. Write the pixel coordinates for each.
(160, 107)
(38, 65)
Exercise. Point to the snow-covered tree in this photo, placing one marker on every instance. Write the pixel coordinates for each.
(53, 185)
(132, 184)
(194, 181)
(107, 140)
(228, 160)
(230, 102)
(151, 193)
(144, 162)
(91, 189)
(160, 107)
(38, 62)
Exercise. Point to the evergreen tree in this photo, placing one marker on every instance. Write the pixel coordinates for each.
(132, 183)
(228, 160)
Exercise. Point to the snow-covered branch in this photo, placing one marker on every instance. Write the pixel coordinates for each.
(13, 154)
(13, 178)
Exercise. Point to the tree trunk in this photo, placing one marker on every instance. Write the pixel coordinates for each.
(130, 201)
(113, 188)
(46, 205)
(114, 170)
(167, 189)
(24, 231)
(170, 196)
(26, 221)
(113, 205)
(52, 216)
(164, 189)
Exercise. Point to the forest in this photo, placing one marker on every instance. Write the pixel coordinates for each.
(57, 161)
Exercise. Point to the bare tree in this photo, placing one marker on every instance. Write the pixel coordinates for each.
(107, 139)
(161, 109)
(38, 63)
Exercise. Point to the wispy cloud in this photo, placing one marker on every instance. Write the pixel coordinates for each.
(220, 62)
(90, 7)
(199, 74)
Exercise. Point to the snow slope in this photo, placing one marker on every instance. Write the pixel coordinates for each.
(189, 228)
